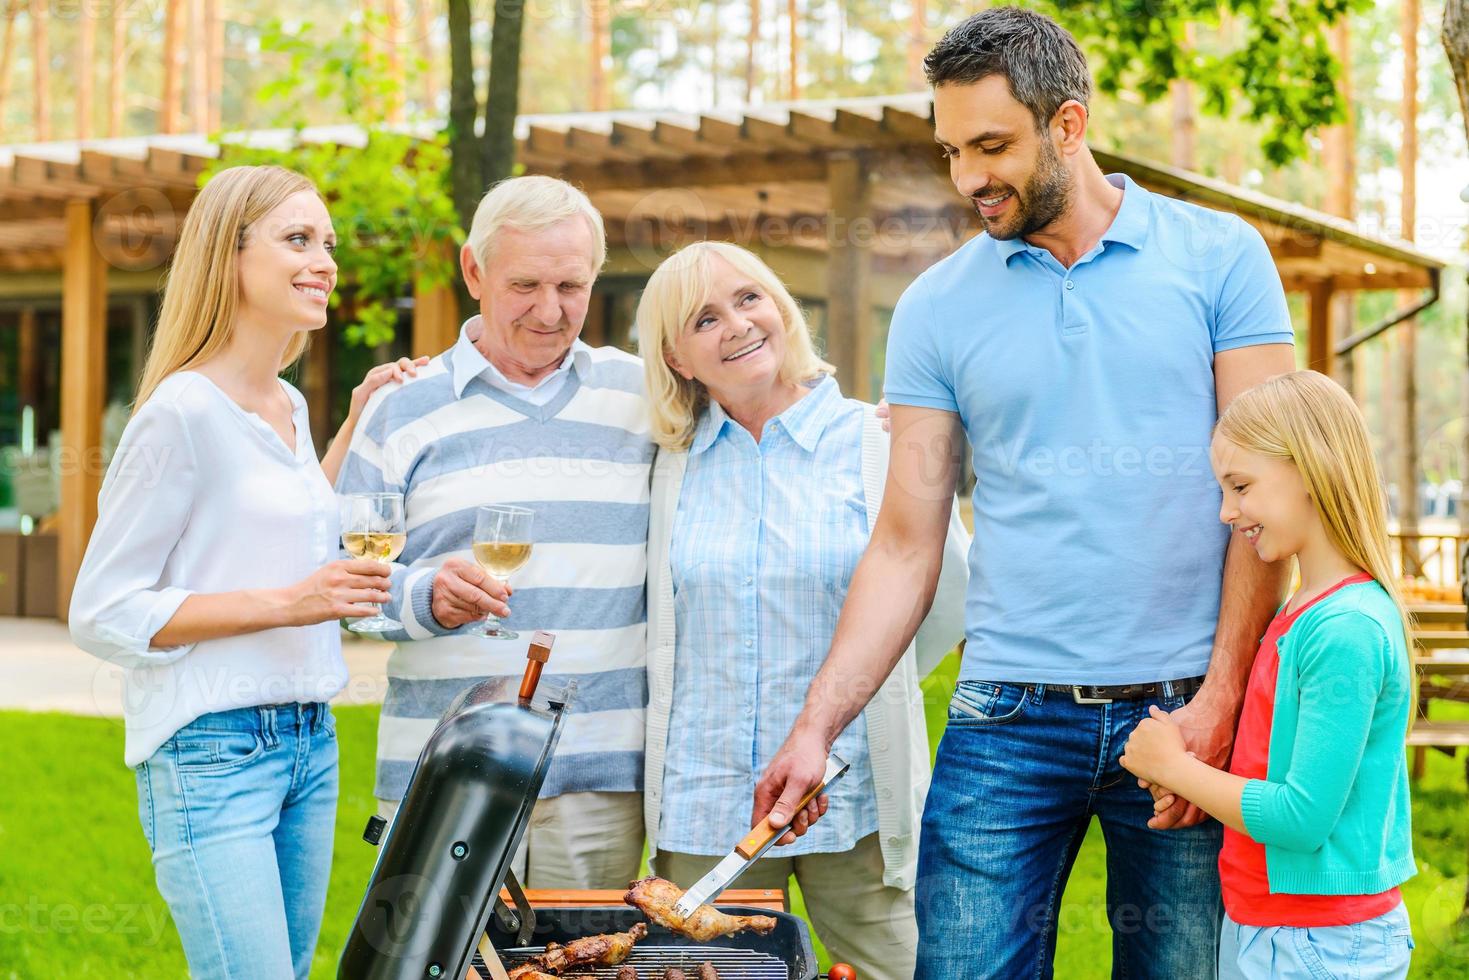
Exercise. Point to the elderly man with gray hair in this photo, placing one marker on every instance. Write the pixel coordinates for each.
(519, 411)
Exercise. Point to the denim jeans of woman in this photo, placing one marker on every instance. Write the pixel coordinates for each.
(239, 808)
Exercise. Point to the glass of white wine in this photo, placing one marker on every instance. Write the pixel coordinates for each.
(373, 527)
(501, 545)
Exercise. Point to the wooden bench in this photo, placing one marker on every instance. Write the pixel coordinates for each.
(1439, 734)
(1438, 615)
(1442, 676)
(1437, 639)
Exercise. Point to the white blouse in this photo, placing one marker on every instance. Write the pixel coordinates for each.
(204, 497)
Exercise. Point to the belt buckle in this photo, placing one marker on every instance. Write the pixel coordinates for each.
(1076, 696)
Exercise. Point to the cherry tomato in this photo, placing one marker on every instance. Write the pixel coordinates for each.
(841, 971)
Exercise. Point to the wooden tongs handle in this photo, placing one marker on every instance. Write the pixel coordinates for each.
(763, 832)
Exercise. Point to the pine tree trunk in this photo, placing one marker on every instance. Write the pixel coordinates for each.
(115, 76)
(198, 68)
(1339, 155)
(41, 42)
(752, 43)
(426, 54)
(214, 33)
(465, 163)
(393, 25)
(1185, 120)
(600, 25)
(86, 73)
(502, 102)
(1408, 330)
(1456, 44)
(172, 38)
(793, 16)
(917, 44)
(1455, 37)
(7, 53)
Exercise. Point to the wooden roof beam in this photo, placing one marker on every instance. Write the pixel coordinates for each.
(640, 141)
(721, 132)
(1394, 279)
(682, 139)
(585, 142)
(548, 142)
(173, 167)
(773, 135)
(1296, 246)
(907, 127)
(31, 260)
(866, 130)
(733, 169)
(814, 131)
(31, 208)
(50, 178)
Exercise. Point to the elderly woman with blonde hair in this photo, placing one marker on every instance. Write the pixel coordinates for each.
(764, 496)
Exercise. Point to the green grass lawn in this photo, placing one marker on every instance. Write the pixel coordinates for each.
(77, 896)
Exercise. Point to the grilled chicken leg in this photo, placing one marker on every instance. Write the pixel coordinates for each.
(605, 950)
(655, 897)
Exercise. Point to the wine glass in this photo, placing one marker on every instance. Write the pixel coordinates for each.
(373, 527)
(501, 545)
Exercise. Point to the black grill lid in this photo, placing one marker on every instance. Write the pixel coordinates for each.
(447, 852)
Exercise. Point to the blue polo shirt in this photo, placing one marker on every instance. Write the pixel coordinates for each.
(1087, 396)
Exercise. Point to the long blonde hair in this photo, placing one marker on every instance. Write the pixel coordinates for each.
(1309, 420)
(202, 294)
(678, 289)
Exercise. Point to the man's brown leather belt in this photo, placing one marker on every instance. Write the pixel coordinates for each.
(1106, 694)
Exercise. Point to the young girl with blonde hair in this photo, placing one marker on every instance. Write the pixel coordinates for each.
(212, 578)
(1315, 802)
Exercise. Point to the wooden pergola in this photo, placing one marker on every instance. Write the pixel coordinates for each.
(849, 199)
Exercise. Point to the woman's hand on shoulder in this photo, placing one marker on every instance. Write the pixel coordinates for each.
(394, 371)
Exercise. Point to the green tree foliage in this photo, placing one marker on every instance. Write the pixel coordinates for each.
(1280, 74)
(389, 197)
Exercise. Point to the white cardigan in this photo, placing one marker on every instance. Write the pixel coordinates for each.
(897, 738)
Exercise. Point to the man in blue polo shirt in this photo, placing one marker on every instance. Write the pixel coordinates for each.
(1084, 345)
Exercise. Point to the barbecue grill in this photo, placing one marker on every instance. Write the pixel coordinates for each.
(784, 954)
(435, 894)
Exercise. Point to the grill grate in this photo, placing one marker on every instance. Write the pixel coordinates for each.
(650, 962)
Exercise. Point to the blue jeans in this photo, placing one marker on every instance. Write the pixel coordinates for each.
(1020, 773)
(1378, 949)
(239, 808)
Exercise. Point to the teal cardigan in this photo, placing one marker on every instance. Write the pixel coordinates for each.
(1333, 811)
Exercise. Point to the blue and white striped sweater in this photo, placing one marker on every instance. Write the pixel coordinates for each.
(582, 463)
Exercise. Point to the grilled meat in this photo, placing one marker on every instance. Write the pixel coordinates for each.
(605, 950)
(655, 897)
(707, 971)
(528, 971)
(627, 972)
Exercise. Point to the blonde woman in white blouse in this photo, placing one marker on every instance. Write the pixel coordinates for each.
(212, 578)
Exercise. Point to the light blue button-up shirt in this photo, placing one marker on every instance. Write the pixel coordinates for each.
(765, 540)
(1087, 394)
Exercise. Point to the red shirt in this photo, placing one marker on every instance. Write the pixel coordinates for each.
(1247, 895)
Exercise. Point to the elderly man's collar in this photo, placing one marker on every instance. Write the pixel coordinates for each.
(469, 363)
